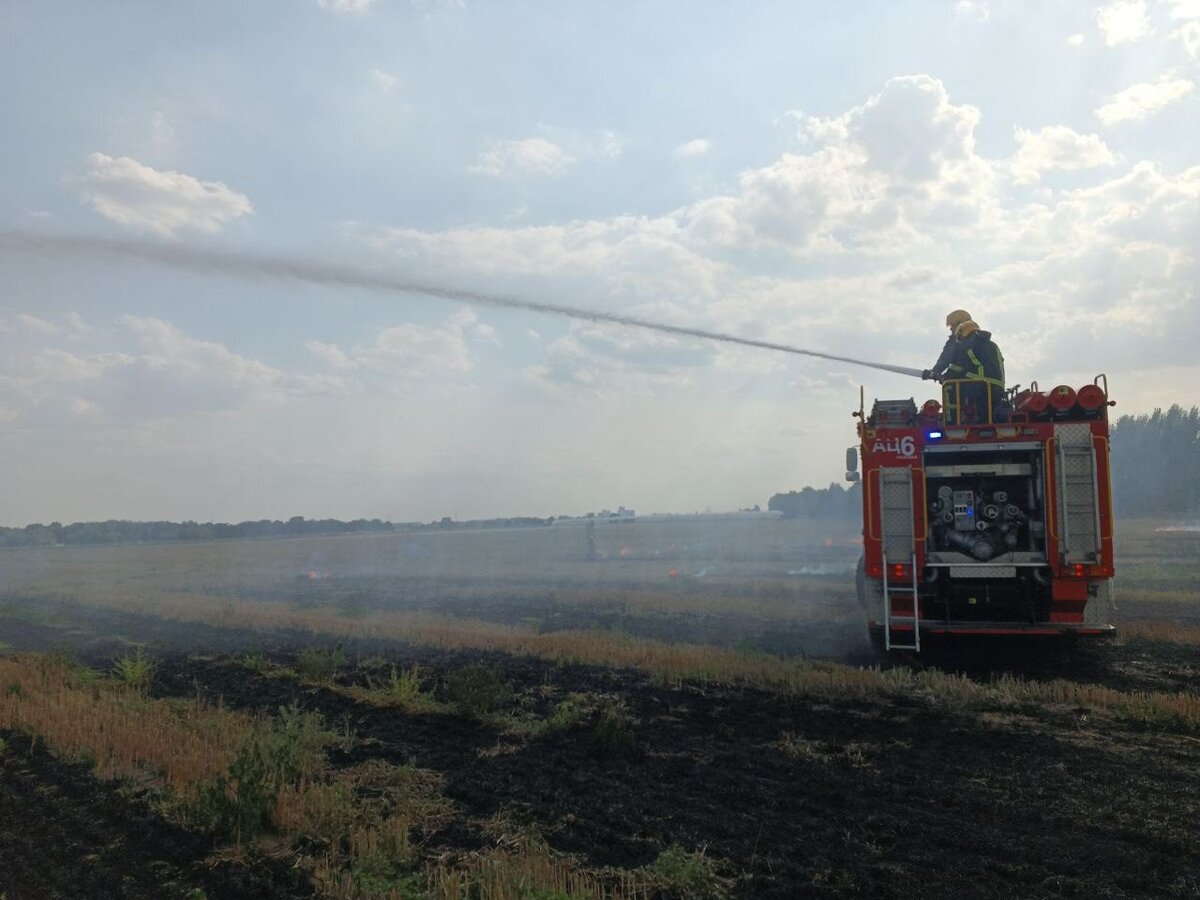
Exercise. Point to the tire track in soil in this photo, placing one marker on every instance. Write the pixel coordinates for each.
(65, 835)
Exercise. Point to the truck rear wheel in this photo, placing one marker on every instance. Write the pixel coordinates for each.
(878, 644)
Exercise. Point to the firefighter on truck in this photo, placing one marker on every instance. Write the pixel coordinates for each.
(973, 368)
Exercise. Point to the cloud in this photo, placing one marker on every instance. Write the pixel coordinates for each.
(1185, 9)
(409, 352)
(609, 145)
(609, 358)
(1057, 147)
(653, 265)
(124, 191)
(1075, 40)
(345, 6)
(77, 326)
(524, 250)
(875, 180)
(385, 81)
(36, 324)
(139, 373)
(330, 354)
(903, 160)
(1144, 204)
(180, 374)
(1123, 21)
(1142, 100)
(160, 374)
(148, 371)
(530, 156)
(972, 9)
(1188, 34)
(912, 277)
(890, 199)
(162, 132)
(697, 147)
(911, 128)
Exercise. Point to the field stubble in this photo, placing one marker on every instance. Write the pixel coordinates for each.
(726, 755)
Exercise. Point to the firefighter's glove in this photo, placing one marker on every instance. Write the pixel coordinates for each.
(927, 374)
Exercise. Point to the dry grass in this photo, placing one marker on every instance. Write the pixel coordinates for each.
(1131, 596)
(671, 663)
(361, 820)
(1169, 632)
(856, 754)
(824, 598)
(364, 819)
(1145, 706)
(515, 873)
(84, 717)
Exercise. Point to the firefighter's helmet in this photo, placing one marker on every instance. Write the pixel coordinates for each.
(965, 329)
(956, 318)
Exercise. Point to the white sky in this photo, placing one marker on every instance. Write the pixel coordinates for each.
(833, 176)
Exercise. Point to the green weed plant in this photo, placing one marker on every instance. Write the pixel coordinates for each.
(402, 689)
(478, 690)
(134, 670)
(613, 735)
(320, 664)
(255, 661)
(678, 874)
(238, 803)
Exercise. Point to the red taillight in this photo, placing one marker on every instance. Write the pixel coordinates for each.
(899, 570)
(1078, 570)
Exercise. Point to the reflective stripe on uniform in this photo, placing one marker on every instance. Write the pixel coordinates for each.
(978, 375)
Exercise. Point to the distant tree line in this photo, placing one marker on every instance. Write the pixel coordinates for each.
(833, 502)
(1156, 463)
(126, 532)
(1155, 471)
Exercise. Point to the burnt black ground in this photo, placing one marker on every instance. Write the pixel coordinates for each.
(886, 801)
(889, 798)
(64, 835)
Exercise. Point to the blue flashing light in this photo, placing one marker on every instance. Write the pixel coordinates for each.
(934, 435)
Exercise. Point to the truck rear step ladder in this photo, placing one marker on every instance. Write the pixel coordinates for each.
(1079, 500)
(888, 619)
(899, 543)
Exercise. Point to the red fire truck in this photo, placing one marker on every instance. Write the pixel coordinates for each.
(986, 521)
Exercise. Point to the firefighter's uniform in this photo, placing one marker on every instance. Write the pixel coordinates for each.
(978, 360)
